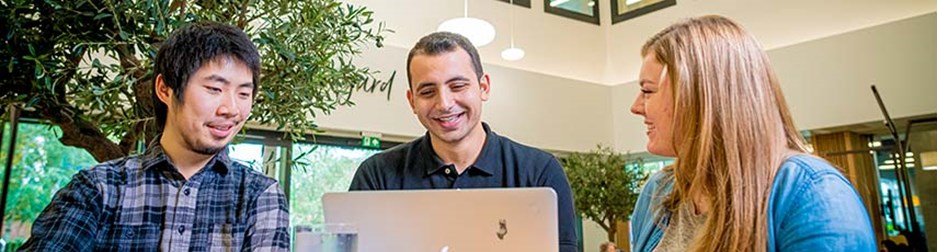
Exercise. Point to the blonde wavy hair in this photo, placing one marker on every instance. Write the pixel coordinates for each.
(732, 129)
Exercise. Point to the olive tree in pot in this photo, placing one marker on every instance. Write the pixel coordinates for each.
(605, 185)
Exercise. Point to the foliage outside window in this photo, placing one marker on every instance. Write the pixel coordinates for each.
(319, 169)
(41, 166)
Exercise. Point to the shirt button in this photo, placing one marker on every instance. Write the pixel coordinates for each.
(181, 229)
(448, 170)
(186, 192)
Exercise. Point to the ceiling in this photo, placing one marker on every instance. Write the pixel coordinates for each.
(607, 54)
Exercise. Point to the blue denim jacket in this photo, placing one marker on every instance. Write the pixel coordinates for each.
(812, 207)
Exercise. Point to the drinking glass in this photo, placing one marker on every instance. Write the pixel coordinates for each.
(328, 237)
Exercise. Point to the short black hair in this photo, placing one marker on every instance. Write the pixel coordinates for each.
(441, 42)
(191, 47)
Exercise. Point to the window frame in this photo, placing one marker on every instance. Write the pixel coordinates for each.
(618, 17)
(521, 3)
(594, 19)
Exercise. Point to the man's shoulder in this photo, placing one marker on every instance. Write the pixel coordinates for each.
(252, 178)
(394, 157)
(113, 171)
(381, 168)
(526, 152)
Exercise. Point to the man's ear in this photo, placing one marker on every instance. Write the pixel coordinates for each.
(163, 92)
(485, 84)
(410, 99)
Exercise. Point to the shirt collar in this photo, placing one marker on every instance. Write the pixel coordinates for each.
(155, 156)
(487, 162)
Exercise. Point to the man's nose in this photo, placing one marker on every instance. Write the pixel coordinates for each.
(445, 100)
(229, 104)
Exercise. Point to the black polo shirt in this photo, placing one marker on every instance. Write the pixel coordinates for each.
(501, 163)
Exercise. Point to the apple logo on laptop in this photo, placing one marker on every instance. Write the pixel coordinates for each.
(503, 230)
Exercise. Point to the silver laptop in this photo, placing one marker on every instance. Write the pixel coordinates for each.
(459, 220)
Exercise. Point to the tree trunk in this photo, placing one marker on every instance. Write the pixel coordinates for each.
(612, 230)
(79, 132)
(85, 135)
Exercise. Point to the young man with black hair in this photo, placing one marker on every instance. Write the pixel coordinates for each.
(184, 193)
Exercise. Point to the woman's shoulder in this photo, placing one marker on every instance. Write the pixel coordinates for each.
(804, 168)
(805, 179)
(812, 164)
(658, 182)
(814, 207)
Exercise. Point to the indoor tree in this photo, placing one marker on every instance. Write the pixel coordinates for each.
(605, 185)
(86, 66)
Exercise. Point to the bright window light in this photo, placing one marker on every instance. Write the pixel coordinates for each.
(555, 3)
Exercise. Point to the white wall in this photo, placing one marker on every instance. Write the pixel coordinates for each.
(629, 130)
(607, 54)
(826, 81)
(592, 236)
(774, 23)
(536, 109)
(554, 44)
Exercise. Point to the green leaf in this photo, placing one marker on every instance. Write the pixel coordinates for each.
(102, 15)
(10, 65)
(38, 73)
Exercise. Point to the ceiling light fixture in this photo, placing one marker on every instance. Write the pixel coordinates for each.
(478, 31)
(512, 53)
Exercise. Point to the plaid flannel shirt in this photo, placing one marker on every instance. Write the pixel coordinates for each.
(142, 203)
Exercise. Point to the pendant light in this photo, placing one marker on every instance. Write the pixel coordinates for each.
(478, 31)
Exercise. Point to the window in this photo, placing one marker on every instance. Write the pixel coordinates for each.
(41, 165)
(895, 209)
(524, 3)
(325, 165)
(627, 9)
(320, 169)
(582, 10)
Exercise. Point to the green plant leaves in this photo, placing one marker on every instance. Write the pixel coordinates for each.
(605, 184)
(89, 57)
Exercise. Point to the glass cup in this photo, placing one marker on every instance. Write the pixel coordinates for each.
(329, 237)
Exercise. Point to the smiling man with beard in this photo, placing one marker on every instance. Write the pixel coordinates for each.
(447, 89)
(184, 193)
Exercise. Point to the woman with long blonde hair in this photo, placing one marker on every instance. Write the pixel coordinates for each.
(743, 179)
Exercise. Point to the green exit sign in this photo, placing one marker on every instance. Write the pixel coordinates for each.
(371, 142)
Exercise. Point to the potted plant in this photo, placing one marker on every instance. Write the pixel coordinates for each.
(605, 186)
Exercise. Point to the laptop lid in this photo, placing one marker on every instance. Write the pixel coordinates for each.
(458, 220)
